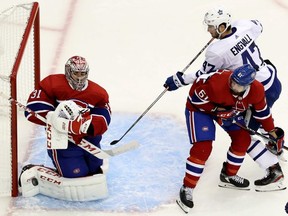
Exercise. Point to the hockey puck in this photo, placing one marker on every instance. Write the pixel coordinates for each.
(34, 181)
(286, 208)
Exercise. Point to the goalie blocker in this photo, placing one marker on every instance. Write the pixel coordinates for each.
(36, 179)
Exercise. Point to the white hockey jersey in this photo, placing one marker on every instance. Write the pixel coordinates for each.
(236, 49)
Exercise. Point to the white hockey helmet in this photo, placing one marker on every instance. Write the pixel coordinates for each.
(217, 16)
(76, 72)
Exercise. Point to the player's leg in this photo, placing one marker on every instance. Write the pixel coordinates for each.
(64, 182)
(69, 162)
(201, 130)
(274, 177)
(273, 90)
(94, 164)
(240, 139)
(36, 179)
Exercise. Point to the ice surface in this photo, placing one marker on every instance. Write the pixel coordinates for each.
(132, 47)
(140, 180)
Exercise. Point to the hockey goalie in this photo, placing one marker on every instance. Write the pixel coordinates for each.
(75, 108)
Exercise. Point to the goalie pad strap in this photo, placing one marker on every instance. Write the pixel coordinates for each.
(43, 180)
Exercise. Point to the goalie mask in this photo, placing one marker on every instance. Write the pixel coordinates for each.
(76, 72)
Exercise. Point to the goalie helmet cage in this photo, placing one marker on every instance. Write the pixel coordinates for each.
(19, 75)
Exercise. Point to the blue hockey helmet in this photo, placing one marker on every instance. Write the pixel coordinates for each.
(244, 75)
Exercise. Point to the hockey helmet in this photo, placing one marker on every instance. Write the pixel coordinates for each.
(217, 16)
(244, 75)
(76, 72)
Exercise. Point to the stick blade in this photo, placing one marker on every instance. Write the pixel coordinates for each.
(123, 148)
(114, 142)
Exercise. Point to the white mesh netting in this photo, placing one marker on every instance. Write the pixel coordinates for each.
(13, 22)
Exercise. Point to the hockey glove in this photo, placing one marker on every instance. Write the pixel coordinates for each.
(69, 117)
(226, 114)
(277, 141)
(80, 125)
(175, 81)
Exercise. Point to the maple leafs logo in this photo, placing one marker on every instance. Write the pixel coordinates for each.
(220, 12)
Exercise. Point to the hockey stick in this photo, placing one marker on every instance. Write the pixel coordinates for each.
(257, 133)
(162, 93)
(84, 144)
(116, 141)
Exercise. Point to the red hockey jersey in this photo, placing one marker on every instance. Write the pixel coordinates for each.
(54, 89)
(211, 91)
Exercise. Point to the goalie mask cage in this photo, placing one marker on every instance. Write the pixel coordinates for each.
(19, 75)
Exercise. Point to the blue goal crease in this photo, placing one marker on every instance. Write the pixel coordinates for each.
(138, 181)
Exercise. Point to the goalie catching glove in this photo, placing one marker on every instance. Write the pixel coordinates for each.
(69, 117)
(276, 142)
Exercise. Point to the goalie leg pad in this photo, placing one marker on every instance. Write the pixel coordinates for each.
(51, 184)
(28, 181)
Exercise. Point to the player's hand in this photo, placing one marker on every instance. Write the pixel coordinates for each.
(225, 114)
(175, 81)
(80, 124)
(277, 141)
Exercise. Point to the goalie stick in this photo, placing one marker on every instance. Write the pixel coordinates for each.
(84, 144)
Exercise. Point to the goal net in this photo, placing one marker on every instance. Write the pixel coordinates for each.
(19, 74)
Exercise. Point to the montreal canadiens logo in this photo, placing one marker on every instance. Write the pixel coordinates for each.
(76, 171)
(205, 128)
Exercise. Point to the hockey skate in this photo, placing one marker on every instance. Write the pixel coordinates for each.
(272, 181)
(185, 201)
(232, 182)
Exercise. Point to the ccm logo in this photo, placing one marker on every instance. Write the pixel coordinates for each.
(51, 180)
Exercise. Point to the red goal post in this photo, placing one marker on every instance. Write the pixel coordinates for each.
(19, 75)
